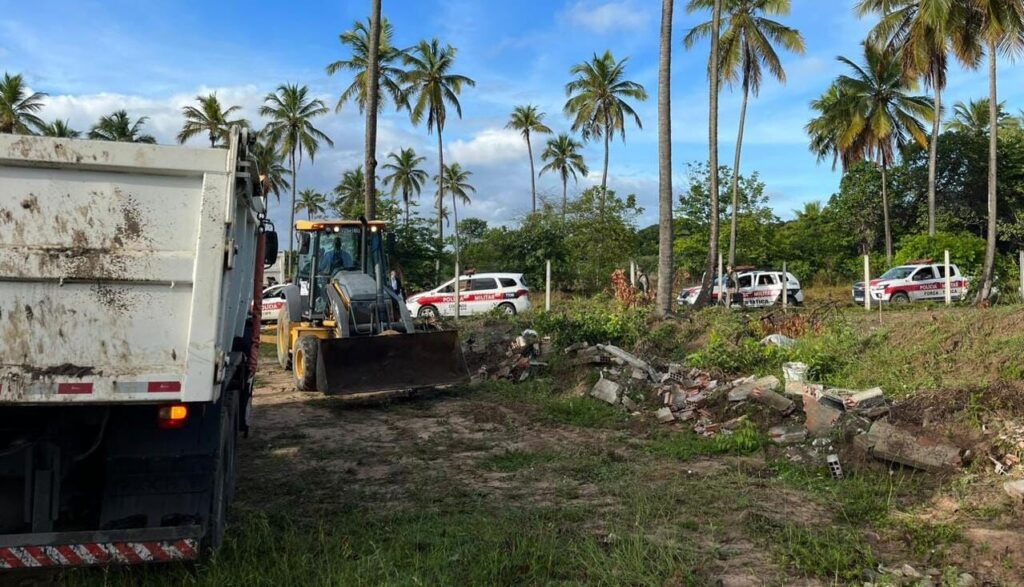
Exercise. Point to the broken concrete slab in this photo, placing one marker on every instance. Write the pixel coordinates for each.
(665, 415)
(606, 390)
(576, 346)
(629, 358)
(864, 400)
(821, 418)
(629, 404)
(787, 435)
(638, 374)
(775, 401)
(743, 390)
(1015, 489)
(897, 445)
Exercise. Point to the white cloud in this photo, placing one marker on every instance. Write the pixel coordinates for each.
(488, 147)
(605, 17)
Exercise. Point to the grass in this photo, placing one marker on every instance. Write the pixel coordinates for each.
(832, 552)
(687, 445)
(516, 460)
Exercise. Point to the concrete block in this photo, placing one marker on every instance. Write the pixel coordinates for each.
(890, 443)
(606, 390)
(665, 415)
(821, 419)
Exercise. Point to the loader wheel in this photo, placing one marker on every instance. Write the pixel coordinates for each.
(304, 363)
(284, 357)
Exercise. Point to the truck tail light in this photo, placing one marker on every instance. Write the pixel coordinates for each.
(172, 416)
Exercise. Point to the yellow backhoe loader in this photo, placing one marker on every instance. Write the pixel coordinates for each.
(343, 330)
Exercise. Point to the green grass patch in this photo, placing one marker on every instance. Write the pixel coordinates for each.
(554, 407)
(836, 553)
(516, 460)
(927, 538)
(747, 439)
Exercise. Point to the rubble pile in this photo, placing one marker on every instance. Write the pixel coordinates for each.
(502, 354)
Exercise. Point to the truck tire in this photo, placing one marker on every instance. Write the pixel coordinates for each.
(900, 298)
(304, 362)
(507, 308)
(222, 480)
(284, 357)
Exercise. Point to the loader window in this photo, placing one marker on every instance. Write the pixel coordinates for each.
(336, 251)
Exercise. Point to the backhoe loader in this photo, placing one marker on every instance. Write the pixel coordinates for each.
(343, 330)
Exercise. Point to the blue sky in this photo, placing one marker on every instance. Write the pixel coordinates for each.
(153, 57)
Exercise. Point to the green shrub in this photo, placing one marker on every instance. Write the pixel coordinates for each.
(967, 251)
(596, 320)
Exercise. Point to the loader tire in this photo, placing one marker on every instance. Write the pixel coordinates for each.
(284, 356)
(304, 362)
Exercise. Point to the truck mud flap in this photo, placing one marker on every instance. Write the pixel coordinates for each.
(111, 547)
(395, 362)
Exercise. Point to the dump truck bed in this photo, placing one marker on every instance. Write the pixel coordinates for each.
(118, 281)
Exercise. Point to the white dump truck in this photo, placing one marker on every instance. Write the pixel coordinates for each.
(128, 345)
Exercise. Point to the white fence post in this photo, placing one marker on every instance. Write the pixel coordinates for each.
(949, 281)
(1021, 253)
(867, 283)
(458, 294)
(632, 273)
(547, 287)
(785, 288)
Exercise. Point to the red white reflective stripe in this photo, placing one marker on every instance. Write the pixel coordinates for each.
(76, 555)
(74, 388)
(163, 386)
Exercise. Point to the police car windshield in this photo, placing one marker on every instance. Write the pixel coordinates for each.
(898, 273)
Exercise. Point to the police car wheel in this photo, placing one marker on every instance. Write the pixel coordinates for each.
(508, 309)
(427, 312)
(900, 298)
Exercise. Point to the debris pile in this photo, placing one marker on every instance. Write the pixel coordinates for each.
(502, 354)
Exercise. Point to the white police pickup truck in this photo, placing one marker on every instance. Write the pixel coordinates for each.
(753, 289)
(914, 282)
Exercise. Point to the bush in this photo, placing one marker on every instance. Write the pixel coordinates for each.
(967, 251)
(596, 320)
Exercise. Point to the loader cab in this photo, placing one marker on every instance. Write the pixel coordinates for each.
(330, 248)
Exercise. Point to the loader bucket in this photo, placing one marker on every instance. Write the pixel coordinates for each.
(367, 364)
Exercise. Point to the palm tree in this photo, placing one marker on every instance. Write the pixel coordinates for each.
(455, 179)
(272, 172)
(713, 66)
(18, 108)
(118, 126)
(924, 32)
(527, 119)
(597, 101)
(406, 175)
(827, 129)
(972, 117)
(59, 128)
(747, 45)
(997, 25)
(350, 191)
(663, 303)
(210, 118)
(389, 74)
(312, 202)
(884, 115)
(291, 112)
(563, 156)
(432, 87)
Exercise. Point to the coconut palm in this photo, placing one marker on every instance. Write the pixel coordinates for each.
(350, 192)
(432, 88)
(826, 130)
(884, 115)
(528, 119)
(118, 126)
(389, 72)
(663, 303)
(597, 101)
(210, 118)
(748, 44)
(59, 128)
(924, 33)
(291, 112)
(455, 180)
(972, 117)
(312, 202)
(270, 167)
(405, 175)
(18, 108)
(995, 26)
(564, 158)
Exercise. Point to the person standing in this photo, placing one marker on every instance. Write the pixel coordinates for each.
(396, 284)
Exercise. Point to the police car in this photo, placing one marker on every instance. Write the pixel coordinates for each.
(919, 281)
(273, 301)
(478, 294)
(753, 289)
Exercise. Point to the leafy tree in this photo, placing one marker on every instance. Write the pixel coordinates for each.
(291, 112)
(118, 126)
(389, 59)
(528, 119)
(747, 46)
(405, 175)
(19, 109)
(432, 88)
(597, 101)
(312, 202)
(210, 118)
(59, 128)
(600, 234)
(563, 157)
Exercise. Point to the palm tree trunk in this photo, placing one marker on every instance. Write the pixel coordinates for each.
(455, 231)
(709, 267)
(533, 176)
(663, 303)
(372, 101)
(440, 206)
(565, 195)
(988, 273)
(604, 175)
(885, 209)
(406, 196)
(933, 158)
(736, 182)
(291, 224)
